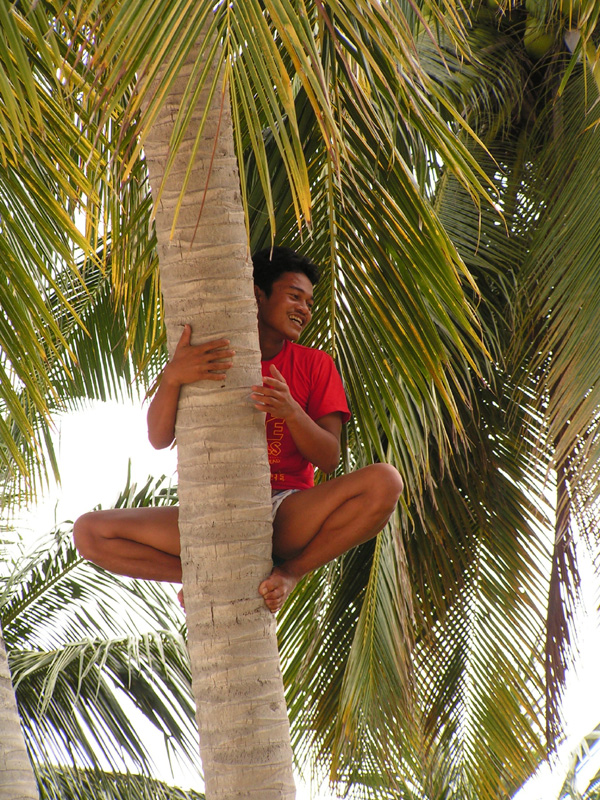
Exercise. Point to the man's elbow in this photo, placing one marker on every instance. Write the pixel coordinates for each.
(330, 463)
(159, 443)
(329, 468)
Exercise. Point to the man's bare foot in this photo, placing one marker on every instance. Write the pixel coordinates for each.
(276, 589)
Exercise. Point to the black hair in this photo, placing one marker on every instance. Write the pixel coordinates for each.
(272, 262)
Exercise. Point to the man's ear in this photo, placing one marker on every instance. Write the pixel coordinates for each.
(258, 293)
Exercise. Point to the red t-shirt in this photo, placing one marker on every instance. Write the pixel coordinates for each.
(316, 385)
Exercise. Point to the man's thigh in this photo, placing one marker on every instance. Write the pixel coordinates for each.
(156, 527)
(301, 515)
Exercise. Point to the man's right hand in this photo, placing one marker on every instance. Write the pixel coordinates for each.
(190, 363)
(198, 362)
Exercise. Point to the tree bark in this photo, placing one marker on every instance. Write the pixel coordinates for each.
(17, 781)
(224, 489)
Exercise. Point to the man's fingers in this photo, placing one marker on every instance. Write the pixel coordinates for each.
(261, 400)
(276, 374)
(206, 347)
(260, 397)
(221, 360)
(264, 392)
(274, 382)
(185, 337)
(217, 344)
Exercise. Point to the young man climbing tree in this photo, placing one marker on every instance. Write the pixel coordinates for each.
(305, 405)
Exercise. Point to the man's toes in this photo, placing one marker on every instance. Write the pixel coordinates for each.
(274, 590)
(273, 599)
(273, 603)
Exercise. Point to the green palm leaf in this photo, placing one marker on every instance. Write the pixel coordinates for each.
(478, 538)
(84, 784)
(344, 138)
(53, 217)
(81, 666)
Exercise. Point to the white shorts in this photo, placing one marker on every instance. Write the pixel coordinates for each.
(277, 499)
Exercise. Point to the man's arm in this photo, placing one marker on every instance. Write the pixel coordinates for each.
(190, 363)
(317, 440)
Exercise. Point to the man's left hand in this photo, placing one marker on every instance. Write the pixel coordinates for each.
(274, 396)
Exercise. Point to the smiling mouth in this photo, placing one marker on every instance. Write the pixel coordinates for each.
(297, 320)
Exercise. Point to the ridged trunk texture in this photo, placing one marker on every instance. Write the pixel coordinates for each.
(17, 781)
(223, 469)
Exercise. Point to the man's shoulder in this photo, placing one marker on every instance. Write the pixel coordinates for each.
(308, 353)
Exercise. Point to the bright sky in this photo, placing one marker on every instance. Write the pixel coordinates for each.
(94, 447)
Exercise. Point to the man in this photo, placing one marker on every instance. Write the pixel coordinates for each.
(305, 405)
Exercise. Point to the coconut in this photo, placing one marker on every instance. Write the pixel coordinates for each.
(538, 40)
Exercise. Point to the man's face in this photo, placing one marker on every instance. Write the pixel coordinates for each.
(288, 309)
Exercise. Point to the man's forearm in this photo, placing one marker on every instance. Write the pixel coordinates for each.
(190, 363)
(317, 444)
(162, 414)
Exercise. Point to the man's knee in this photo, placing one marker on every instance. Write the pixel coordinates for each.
(386, 486)
(86, 535)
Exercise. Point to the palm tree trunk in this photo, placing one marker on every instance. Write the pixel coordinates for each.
(223, 470)
(17, 781)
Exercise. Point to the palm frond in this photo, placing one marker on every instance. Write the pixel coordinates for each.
(272, 58)
(53, 222)
(582, 757)
(79, 784)
(83, 667)
(558, 320)
(397, 366)
(478, 542)
(96, 359)
(73, 705)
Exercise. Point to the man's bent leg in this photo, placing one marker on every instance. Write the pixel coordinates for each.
(317, 525)
(137, 542)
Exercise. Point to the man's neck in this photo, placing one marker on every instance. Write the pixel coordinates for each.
(270, 346)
